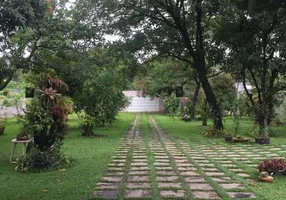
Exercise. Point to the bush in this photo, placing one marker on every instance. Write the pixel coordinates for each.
(272, 166)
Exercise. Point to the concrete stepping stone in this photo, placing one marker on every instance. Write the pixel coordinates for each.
(210, 169)
(115, 169)
(215, 174)
(114, 173)
(228, 165)
(222, 179)
(235, 170)
(240, 195)
(139, 157)
(162, 164)
(229, 186)
(167, 178)
(138, 172)
(205, 195)
(162, 161)
(138, 193)
(184, 165)
(106, 194)
(198, 179)
(116, 165)
(139, 164)
(172, 193)
(199, 158)
(169, 185)
(181, 161)
(190, 173)
(166, 173)
(112, 179)
(140, 160)
(161, 157)
(118, 161)
(138, 185)
(200, 186)
(187, 169)
(139, 168)
(243, 175)
(163, 168)
(138, 179)
(202, 161)
(107, 186)
(206, 165)
(224, 161)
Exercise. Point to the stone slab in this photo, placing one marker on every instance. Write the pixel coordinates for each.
(113, 173)
(215, 173)
(190, 173)
(166, 173)
(138, 185)
(172, 193)
(169, 185)
(243, 175)
(167, 178)
(106, 194)
(112, 179)
(229, 186)
(138, 178)
(200, 186)
(138, 172)
(222, 179)
(194, 179)
(205, 195)
(240, 195)
(107, 186)
(138, 193)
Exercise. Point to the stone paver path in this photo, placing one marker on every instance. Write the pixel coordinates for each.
(147, 166)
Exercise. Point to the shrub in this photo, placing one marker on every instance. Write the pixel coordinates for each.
(211, 132)
(272, 165)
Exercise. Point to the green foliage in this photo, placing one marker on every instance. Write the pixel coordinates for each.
(86, 123)
(224, 89)
(171, 104)
(164, 76)
(102, 96)
(45, 121)
(36, 159)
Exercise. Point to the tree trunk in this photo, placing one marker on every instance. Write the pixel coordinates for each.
(205, 113)
(211, 98)
(195, 100)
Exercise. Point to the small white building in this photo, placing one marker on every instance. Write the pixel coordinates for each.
(142, 104)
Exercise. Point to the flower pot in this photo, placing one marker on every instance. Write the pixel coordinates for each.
(6, 93)
(240, 139)
(29, 92)
(268, 179)
(259, 140)
(266, 140)
(2, 128)
(228, 138)
(262, 140)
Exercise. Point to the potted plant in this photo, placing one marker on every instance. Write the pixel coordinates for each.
(272, 166)
(228, 138)
(265, 177)
(23, 135)
(263, 136)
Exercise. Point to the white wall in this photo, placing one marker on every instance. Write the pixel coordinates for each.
(141, 104)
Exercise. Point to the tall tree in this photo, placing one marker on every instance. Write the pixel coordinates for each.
(153, 28)
(256, 41)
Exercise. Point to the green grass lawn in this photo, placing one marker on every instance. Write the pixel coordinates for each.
(90, 157)
(192, 131)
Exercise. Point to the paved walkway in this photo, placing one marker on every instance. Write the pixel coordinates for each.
(148, 166)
